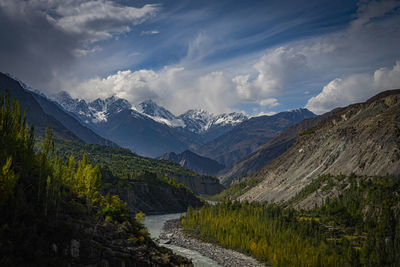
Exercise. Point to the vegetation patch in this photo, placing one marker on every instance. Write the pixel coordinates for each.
(236, 189)
(307, 132)
(358, 227)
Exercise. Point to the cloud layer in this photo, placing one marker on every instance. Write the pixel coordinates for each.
(341, 92)
(216, 56)
(42, 39)
(179, 89)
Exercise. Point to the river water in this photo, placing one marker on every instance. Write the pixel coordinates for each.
(155, 223)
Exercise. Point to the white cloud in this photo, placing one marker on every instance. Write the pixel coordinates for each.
(265, 114)
(153, 32)
(130, 85)
(99, 20)
(354, 88)
(171, 87)
(269, 102)
(274, 70)
(91, 20)
(243, 87)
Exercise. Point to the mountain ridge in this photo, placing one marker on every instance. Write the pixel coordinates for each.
(35, 113)
(362, 138)
(250, 134)
(267, 152)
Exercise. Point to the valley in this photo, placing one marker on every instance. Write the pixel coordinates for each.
(321, 187)
(199, 133)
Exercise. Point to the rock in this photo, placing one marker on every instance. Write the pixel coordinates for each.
(75, 248)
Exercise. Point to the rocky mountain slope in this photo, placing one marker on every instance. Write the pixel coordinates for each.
(250, 134)
(35, 113)
(43, 112)
(194, 162)
(362, 138)
(268, 151)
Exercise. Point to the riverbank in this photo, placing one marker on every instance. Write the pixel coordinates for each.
(172, 234)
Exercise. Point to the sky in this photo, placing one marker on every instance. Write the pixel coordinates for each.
(256, 57)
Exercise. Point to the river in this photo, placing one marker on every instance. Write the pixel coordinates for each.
(155, 223)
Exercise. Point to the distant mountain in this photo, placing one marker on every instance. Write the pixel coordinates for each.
(362, 138)
(144, 135)
(194, 162)
(148, 129)
(70, 122)
(250, 134)
(116, 119)
(268, 151)
(35, 113)
(208, 125)
(160, 114)
(93, 112)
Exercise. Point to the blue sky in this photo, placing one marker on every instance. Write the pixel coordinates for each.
(258, 57)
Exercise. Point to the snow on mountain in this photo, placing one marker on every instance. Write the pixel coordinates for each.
(230, 119)
(160, 114)
(94, 112)
(199, 121)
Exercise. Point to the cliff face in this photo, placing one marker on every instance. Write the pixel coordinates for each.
(92, 244)
(201, 185)
(361, 138)
(194, 162)
(156, 199)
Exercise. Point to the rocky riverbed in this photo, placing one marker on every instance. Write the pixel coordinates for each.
(172, 234)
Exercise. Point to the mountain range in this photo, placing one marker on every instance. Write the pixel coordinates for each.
(250, 134)
(148, 129)
(151, 130)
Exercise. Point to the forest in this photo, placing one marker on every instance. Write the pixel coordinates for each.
(44, 197)
(120, 167)
(360, 226)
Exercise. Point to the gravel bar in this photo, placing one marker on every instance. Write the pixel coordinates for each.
(172, 234)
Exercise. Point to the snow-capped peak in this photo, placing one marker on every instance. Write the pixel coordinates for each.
(199, 120)
(99, 110)
(160, 114)
(95, 111)
(150, 108)
(230, 119)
